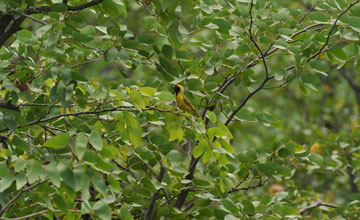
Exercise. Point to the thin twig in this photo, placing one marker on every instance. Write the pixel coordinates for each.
(316, 204)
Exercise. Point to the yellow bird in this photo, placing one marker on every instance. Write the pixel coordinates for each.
(183, 102)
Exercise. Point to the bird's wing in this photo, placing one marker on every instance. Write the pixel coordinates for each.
(187, 101)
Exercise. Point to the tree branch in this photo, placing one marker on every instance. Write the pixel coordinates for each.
(261, 183)
(316, 204)
(153, 199)
(118, 108)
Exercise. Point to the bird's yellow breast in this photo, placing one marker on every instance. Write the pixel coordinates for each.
(181, 103)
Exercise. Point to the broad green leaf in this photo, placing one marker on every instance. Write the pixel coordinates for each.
(226, 145)
(318, 16)
(10, 122)
(167, 51)
(176, 134)
(149, 91)
(288, 210)
(207, 155)
(6, 181)
(124, 213)
(320, 67)
(130, 120)
(59, 141)
(317, 159)
(102, 210)
(34, 170)
(25, 36)
(145, 38)
(81, 144)
(114, 183)
(338, 52)
(135, 136)
(229, 205)
(199, 149)
(248, 208)
(67, 175)
(53, 173)
(267, 169)
(20, 180)
(99, 185)
(95, 140)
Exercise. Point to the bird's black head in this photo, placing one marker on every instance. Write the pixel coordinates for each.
(177, 88)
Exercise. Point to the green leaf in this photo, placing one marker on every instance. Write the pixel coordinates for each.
(355, 10)
(212, 116)
(174, 35)
(354, 196)
(95, 140)
(124, 213)
(310, 78)
(58, 7)
(53, 173)
(283, 171)
(102, 210)
(222, 24)
(130, 120)
(207, 155)
(25, 36)
(167, 51)
(199, 149)
(81, 37)
(338, 52)
(67, 175)
(81, 144)
(248, 208)
(229, 205)
(114, 183)
(135, 136)
(176, 133)
(317, 159)
(185, 6)
(318, 16)
(34, 170)
(10, 122)
(267, 169)
(20, 180)
(111, 55)
(288, 210)
(320, 66)
(226, 145)
(149, 91)
(99, 185)
(145, 38)
(6, 181)
(57, 142)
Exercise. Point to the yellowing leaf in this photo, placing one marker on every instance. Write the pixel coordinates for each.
(148, 91)
(176, 133)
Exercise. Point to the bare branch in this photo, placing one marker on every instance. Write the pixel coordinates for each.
(316, 204)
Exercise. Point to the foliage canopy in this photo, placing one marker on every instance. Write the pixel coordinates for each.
(89, 127)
